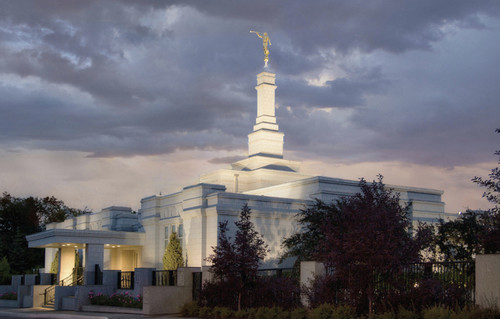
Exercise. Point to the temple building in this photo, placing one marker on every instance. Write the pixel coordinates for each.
(273, 187)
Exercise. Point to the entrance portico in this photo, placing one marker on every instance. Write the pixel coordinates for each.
(111, 250)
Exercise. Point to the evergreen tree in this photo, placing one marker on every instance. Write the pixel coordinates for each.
(4, 272)
(172, 258)
(54, 266)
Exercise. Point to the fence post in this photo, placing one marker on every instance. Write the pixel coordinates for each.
(488, 281)
(308, 271)
(119, 280)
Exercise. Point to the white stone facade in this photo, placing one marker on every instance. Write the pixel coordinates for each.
(273, 188)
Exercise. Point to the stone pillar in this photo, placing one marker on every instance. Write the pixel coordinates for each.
(308, 271)
(16, 281)
(94, 254)
(30, 280)
(110, 278)
(46, 279)
(265, 139)
(66, 264)
(142, 277)
(488, 281)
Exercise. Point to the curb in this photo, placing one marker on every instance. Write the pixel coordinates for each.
(47, 315)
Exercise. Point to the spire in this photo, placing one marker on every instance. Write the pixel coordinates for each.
(265, 140)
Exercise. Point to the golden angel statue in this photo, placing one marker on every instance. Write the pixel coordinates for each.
(265, 42)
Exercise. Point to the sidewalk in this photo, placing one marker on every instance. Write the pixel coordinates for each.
(39, 312)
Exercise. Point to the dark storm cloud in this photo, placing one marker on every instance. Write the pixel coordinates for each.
(440, 109)
(133, 77)
(341, 92)
(346, 25)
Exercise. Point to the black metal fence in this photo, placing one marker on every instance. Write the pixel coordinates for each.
(125, 280)
(459, 275)
(457, 278)
(165, 278)
(293, 273)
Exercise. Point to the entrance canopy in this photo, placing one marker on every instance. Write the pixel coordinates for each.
(58, 238)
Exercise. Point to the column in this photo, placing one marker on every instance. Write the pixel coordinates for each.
(94, 255)
(66, 265)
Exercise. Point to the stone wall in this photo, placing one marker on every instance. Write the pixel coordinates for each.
(488, 280)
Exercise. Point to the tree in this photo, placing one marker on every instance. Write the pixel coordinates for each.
(490, 238)
(4, 272)
(368, 239)
(236, 263)
(364, 239)
(24, 216)
(172, 258)
(305, 245)
(492, 184)
(54, 266)
(460, 239)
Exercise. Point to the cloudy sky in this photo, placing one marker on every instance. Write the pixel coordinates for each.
(105, 102)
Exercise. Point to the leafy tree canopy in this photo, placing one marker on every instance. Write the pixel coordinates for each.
(473, 232)
(24, 216)
(460, 239)
(237, 262)
(365, 236)
(492, 185)
(305, 245)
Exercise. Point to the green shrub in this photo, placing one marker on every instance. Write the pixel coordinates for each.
(343, 312)
(205, 312)
(221, 313)
(323, 311)
(476, 313)
(271, 313)
(190, 309)
(407, 314)
(241, 314)
(251, 313)
(116, 300)
(437, 312)
(299, 313)
(385, 315)
(328, 311)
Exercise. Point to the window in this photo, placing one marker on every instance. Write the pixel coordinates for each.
(166, 235)
(170, 229)
(181, 232)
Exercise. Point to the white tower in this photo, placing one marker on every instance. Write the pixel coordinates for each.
(264, 165)
(265, 140)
